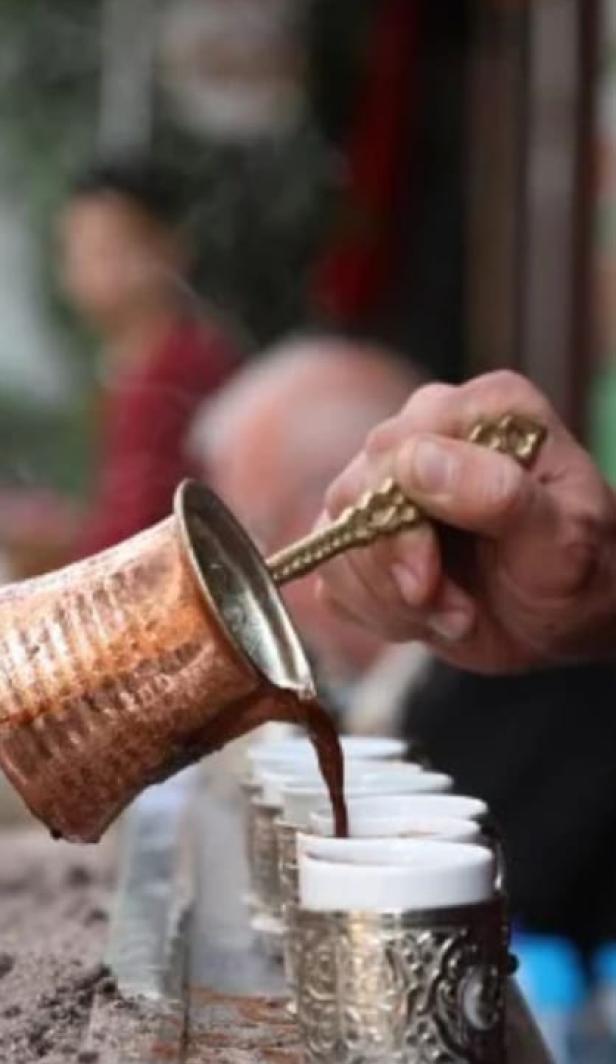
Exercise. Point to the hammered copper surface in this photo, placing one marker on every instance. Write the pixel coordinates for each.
(111, 671)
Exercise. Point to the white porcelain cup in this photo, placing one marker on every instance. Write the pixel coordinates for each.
(299, 800)
(361, 773)
(298, 748)
(379, 851)
(392, 808)
(396, 875)
(411, 826)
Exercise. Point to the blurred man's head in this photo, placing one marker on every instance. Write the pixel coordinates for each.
(275, 437)
(119, 240)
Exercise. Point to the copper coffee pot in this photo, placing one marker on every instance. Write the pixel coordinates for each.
(120, 669)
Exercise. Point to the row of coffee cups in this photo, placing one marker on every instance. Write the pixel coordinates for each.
(386, 798)
(290, 778)
(417, 854)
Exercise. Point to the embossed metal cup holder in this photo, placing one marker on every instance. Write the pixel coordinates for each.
(288, 884)
(403, 987)
(288, 879)
(266, 917)
(249, 788)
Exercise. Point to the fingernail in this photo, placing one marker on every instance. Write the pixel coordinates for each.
(452, 625)
(407, 582)
(434, 467)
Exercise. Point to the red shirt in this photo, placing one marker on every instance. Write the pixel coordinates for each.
(146, 415)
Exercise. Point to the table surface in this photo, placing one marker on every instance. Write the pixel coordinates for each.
(238, 1000)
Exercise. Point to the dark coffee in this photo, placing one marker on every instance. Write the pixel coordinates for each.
(324, 738)
(273, 704)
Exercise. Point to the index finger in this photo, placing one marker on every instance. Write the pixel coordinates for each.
(463, 485)
(445, 410)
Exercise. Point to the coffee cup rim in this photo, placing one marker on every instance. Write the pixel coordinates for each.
(423, 853)
(318, 788)
(436, 827)
(398, 805)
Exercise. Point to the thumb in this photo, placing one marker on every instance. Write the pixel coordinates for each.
(463, 484)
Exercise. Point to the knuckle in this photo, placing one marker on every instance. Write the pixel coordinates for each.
(581, 562)
(505, 380)
(430, 395)
(382, 436)
(581, 550)
(503, 490)
(332, 497)
(509, 388)
(427, 405)
(346, 487)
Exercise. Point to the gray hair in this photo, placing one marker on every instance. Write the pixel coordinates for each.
(339, 419)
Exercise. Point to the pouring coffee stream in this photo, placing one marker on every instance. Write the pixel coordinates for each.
(120, 669)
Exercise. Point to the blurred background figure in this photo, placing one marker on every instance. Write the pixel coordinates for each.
(534, 748)
(125, 266)
(271, 440)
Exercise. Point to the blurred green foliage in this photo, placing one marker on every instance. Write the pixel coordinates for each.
(49, 73)
(49, 77)
(45, 447)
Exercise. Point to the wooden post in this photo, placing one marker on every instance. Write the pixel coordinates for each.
(529, 197)
(554, 270)
(495, 157)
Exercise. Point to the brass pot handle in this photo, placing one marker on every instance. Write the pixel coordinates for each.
(388, 510)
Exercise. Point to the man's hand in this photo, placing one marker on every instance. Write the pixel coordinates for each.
(530, 574)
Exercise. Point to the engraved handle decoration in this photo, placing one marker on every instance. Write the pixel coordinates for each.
(388, 510)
